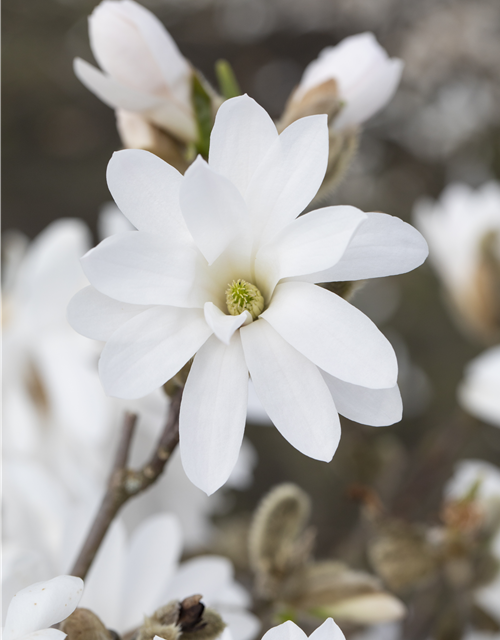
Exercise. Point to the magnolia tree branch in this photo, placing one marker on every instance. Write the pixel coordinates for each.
(125, 483)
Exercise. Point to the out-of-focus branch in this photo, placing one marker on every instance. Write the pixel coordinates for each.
(126, 483)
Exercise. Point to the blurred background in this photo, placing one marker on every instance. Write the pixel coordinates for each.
(442, 126)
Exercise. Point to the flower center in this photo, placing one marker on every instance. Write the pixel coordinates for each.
(244, 296)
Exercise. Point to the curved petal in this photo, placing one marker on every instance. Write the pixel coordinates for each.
(149, 349)
(242, 624)
(286, 631)
(382, 246)
(242, 135)
(213, 208)
(213, 412)
(144, 269)
(96, 316)
(208, 575)
(329, 630)
(290, 175)
(336, 336)
(375, 407)
(309, 244)
(292, 392)
(146, 190)
(154, 552)
(223, 325)
(112, 92)
(41, 605)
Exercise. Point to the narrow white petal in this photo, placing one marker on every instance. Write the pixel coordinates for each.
(241, 624)
(213, 208)
(224, 325)
(96, 316)
(242, 135)
(144, 269)
(154, 552)
(208, 575)
(290, 175)
(375, 407)
(213, 412)
(45, 634)
(336, 336)
(292, 392)
(286, 631)
(382, 246)
(41, 605)
(149, 349)
(112, 92)
(329, 630)
(313, 242)
(146, 190)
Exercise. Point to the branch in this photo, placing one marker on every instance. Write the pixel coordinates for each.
(126, 483)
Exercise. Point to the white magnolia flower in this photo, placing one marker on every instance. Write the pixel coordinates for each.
(143, 70)
(366, 77)
(463, 232)
(131, 579)
(34, 609)
(220, 267)
(478, 392)
(290, 631)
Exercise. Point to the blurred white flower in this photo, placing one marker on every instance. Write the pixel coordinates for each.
(34, 609)
(144, 71)
(163, 293)
(463, 232)
(130, 579)
(484, 478)
(365, 76)
(290, 631)
(478, 392)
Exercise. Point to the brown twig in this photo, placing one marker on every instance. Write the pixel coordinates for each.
(126, 483)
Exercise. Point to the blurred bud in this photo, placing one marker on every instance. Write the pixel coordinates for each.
(143, 70)
(402, 555)
(372, 608)
(277, 540)
(82, 624)
(136, 132)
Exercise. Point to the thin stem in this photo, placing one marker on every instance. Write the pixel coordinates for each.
(126, 483)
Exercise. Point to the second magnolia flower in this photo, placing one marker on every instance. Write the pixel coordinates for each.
(222, 268)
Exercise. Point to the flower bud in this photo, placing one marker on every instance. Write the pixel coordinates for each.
(83, 624)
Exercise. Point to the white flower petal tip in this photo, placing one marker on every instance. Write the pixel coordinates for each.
(329, 630)
(224, 325)
(39, 606)
(366, 78)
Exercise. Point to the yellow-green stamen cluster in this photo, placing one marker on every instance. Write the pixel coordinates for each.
(243, 296)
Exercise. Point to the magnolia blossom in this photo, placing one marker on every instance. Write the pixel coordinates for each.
(290, 631)
(220, 267)
(463, 231)
(479, 391)
(366, 78)
(131, 579)
(143, 70)
(34, 609)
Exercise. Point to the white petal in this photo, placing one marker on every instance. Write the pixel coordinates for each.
(286, 631)
(96, 316)
(148, 350)
(41, 605)
(375, 407)
(336, 336)
(371, 95)
(223, 325)
(242, 135)
(213, 412)
(213, 209)
(292, 391)
(112, 92)
(290, 175)
(146, 190)
(207, 575)
(45, 634)
(382, 246)
(313, 242)
(144, 269)
(242, 624)
(154, 552)
(329, 630)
